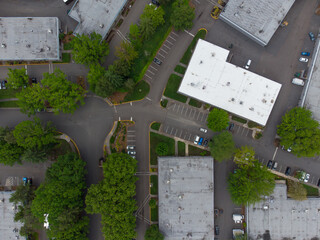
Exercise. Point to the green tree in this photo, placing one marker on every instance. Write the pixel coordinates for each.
(10, 153)
(222, 147)
(153, 233)
(249, 183)
(126, 52)
(95, 74)
(244, 155)
(146, 28)
(6, 135)
(64, 95)
(32, 99)
(114, 79)
(135, 36)
(162, 149)
(164, 2)
(300, 131)
(152, 203)
(90, 49)
(30, 155)
(218, 120)
(17, 78)
(35, 136)
(113, 197)
(120, 67)
(129, 84)
(104, 87)
(296, 190)
(182, 15)
(61, 197)
(150, 19)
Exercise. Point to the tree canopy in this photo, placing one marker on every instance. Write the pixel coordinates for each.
(61, 197)
(218, 120)
(17, 78)
(182, 15)
(96, 74)
(249, 183)
(126, 52)
(150, 19)
(300, 131)
(222, 146)
(90, 49)
(244, 155)
(153, 233)
(113, 197)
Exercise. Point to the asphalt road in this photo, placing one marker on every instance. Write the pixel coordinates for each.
(90, 124)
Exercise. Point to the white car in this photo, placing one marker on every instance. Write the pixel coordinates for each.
(203, 130)
(248, 64)
(302, 59)
(131, 147)
(131, 152)
(306, 178)
(196, 140)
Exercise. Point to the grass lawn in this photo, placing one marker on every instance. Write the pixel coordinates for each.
(180, 69)
(154, 182)
(181, 149)
(155, 139)
(164, 103)
(155, 126)
(67, 46)
(239, 119)
(66, 57)
(187, 55)
(8, 93)
(311, 191)
(194, 151)
(139, 92)
(195, 103)
(154, 214)
(150, 46)
(62, 148)
(172, 88)
(9, 104)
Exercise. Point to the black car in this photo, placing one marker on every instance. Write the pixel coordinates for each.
(205, 142)
(231, 127)
(318, 183)
(216, 230)
(157, 61)
(3, 84)
(29, 181)
(288, 171)
(155, 2)
(269, 165)
(34, 80)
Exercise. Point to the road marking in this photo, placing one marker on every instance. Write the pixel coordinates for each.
(178, 108)
(164, 51)
(198, 116)
(175, 34)
(130, 140)
(197, 1)
(212, 2)
(169, 42)
(161, 55)
(166, 46)
(182, 110)
(148, 99)
(115, 109)
(189, 33)
(274, 154)
(238, 129)
(122, 36)
(172, 38)
(131, 131)
(202, 117)
(186, 112)
(119, 119)
(131, 103)
(154, 68)
(189, 137)
(180, 134)
(167, 127)
(150, 72)
(247, 132)
(194, 113)
(174, 106)
(148, 76)
(171, 131)
(176, 132)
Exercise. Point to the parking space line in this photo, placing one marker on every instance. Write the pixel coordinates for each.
(182, 110)
(171, 131)
(280, 168)
(202, 117)
(172, 38)
(169, 42)
(167, 127)
(194, 113)
(191, 111)
(178, 108)
(161, 55)
(164, 51)
(153, 68)
(198, 116)
(238, 129)
(176, 132)
(189, 137)
(174, 106)
(186, 111)
(166, 46)
(243, 129)
(180, 133)
(247, 132)
(148, 76)
(150, 71)
(175, 34)
(131, 140)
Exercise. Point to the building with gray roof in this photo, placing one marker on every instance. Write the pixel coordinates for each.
(278, 217)
(96, 15)
(186, 198)
(29, 38)
(9, 229)
(258, 20)
(310, 97)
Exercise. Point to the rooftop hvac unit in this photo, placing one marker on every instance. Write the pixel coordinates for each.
(49, 30)
(3, 45)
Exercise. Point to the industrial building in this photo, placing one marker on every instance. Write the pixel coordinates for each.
(96, 15)
(211, 79)
(186, 197)
(278, 217)
(258, 20)
(29, 39)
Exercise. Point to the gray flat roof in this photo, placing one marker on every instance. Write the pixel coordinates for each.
(257, 19)
(285, 218)
(310, 94)
(186, 197)
(95, 15)
(9, 229)
(29, 38)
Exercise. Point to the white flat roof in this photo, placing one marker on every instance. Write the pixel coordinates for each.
(186, 197)
(209, 78)
(29, 38)
(95, 15)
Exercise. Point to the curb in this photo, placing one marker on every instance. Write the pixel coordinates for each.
(106, 144)
(72, 141)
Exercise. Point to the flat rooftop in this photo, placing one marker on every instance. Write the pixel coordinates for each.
(209, 78)
(186, 197)
(95, 15)
(8, 227)
(310, 94)
(285, 218)
(29, 38)
(257, 19)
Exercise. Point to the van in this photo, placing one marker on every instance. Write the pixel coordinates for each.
(248, 64)
(298, 81)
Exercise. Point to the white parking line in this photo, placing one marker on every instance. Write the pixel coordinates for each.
(198, 116)
(182, 110)
(175, 34)
(189, 137)
(178, 108)
(169, 42)
(180, 134)
(131, 131)
(128, 140)
(176, 132)
(202, 117)
(172, 38)
(197, 1)
(189, 33)
(238, 129)
(167, 127)
(186, 112)
(161, 55)
(154, 68)
(274, 154)
(174, 106)
(150, 72)
(171, 131)
(194, 113)
(164, 51)
(247, 132)
(148, 76)
(166, 46)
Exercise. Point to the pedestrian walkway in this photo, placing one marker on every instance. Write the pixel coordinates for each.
(9, 99)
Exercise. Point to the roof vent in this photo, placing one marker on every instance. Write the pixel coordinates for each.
(168, 181)
(236, 14)
(101, 25)
(293, 210)
(179, 208)
(28, 45)
(241, 5)
(180, 197)
(241, 102)
(212, 54)
(204, 87)
(171, 170)
(49, 30)
(29, 18)
(265, 207)
(228, 83)
(264, 101)
(201, 62)
(3, 45)
(232, 99)
(251, 109)
(192, 84)
(261, 31)
(307, 210)
(48, 48)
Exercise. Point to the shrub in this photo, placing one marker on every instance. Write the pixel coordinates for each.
(152, 203)
(162, 149)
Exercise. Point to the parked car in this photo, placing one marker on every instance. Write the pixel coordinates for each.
(34, 80)
(25, 181)
(203, 130)
(318, 184)
(155, 3)
(200, 141)
(248, 64)
(298, 81)
(67, 1)
(216, 230)
(311, 35)
(29, 181)
(305, 53)
(306, 178)
(269, 165)
(157, 61)
(131, 147)
(274, 165)
(131, 153)
(288, 171)
(302, 59)
(196, 140)
(3, 84)
(205, 142)
(231, 127)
